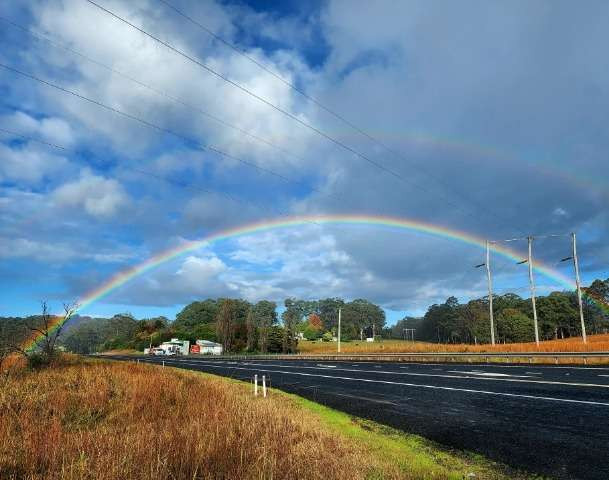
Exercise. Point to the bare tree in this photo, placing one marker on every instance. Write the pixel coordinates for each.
(47, 328)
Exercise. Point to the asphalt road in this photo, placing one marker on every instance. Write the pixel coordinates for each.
(544, 419)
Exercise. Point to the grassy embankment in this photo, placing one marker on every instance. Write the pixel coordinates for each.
(103, 420)
(574, 344)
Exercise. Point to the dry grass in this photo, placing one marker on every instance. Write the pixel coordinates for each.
(574, 344)
(102, 420)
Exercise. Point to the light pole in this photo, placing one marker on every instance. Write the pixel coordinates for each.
(577, 284)
(529, 260)
(487, 264)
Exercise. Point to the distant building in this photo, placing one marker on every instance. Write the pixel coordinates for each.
(206, 347)
(176, 347)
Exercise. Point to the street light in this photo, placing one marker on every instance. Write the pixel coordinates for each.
(577, 284)
(487, 264)
(529, 260)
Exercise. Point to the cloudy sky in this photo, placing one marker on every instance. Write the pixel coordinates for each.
(482, 117)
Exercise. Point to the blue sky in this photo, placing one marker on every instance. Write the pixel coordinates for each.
(497, 113)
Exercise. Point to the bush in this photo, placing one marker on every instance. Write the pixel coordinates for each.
(37, 361)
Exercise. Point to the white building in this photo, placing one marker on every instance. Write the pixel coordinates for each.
(176, 347)
(207, 347)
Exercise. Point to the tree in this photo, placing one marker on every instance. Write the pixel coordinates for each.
(85, 338)
(251, 331)
(46, 330)
(290, 319)
(197, 313)
(359, 315)
(558, 316)
(226, 323)
(312, 329)
(514, 326)
(328, 312)
(265, 316)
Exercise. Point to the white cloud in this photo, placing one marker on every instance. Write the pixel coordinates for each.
(98, 196)
(51, 129)
(28, 164)
(196, 271)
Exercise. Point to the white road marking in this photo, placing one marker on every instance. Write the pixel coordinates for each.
(368, 399)
(412, 374)
(489, 374)
(493, 365)
(414, 385)
(326, 366)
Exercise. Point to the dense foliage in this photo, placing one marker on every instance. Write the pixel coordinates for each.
(256, 327)
(558, 317)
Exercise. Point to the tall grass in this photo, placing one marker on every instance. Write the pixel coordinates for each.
(574, 344)
(128, 421)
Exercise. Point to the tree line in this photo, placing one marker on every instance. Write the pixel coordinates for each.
(558, 317)
(242, 326)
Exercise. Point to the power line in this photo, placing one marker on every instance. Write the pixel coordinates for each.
(263, 100)
(151, 125)
(45, 38)
(148, 173)
(319, 104)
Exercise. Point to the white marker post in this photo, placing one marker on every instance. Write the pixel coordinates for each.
(256, 385)
(339, 330)
(264, 386)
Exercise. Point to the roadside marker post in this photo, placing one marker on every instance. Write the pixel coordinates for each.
(163, 363)
(256, 385)
(339, 330)
(264, 386)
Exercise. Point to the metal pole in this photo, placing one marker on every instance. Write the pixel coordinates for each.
(532, 285)
(579, 290)
(339, 329)
(490, 290)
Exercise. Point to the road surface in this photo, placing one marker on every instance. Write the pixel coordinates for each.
(549, 420)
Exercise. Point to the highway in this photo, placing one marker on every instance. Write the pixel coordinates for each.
(550, 420)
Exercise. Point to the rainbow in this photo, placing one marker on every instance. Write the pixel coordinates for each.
(476, 152)
(123, 277)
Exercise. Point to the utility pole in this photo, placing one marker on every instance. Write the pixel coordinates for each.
(578, 286)
(339, 309)
(532, 285)
(490, 290)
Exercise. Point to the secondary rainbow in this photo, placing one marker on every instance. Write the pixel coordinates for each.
(121, 278)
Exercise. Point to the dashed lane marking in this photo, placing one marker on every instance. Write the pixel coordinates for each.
(414, 385)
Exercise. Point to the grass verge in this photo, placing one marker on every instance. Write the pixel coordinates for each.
(107, 421)
(595, 343)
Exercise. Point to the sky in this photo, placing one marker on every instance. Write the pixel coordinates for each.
(481, 117)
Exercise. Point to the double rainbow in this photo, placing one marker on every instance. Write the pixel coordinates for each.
(121, 278)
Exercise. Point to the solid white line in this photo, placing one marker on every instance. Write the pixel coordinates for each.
(412, 374)
(433, 387)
